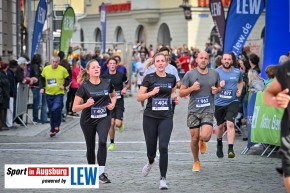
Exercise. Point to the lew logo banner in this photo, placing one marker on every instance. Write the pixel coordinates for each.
(51, 176)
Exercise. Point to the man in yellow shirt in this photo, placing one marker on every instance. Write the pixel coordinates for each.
(54, 80)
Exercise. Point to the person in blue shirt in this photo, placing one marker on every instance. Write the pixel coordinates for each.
(227, 103)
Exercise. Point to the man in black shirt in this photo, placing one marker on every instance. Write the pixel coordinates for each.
(277, 95)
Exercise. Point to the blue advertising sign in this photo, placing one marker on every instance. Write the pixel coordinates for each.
(40, 18)
(103, 26)
(251, 118)
(277, 32)
(242, 16)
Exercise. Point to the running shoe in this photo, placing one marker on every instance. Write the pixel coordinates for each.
(196, 166)
(162, 184)
(112, 147)
(52, 134)
(202, 147)
(146, 169)
(231, 153)
(103, 178)
(121, 129)
(219, 151)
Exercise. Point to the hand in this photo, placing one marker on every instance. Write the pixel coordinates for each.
(282, 99)
(238, 93)
(195, 86)
(214, 90)
(124, 91)
(176, 100)
(222, 83)
(41, 91)
(110, 106)
(61, 87)
(90, 102)
(155, 91)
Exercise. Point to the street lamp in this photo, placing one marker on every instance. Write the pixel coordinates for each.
(186, 9)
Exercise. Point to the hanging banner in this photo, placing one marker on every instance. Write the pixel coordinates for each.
(218, 16)
(67, 29)
(266, 123)
(277, 33)
(40, 18)
(241, 19)
(103, 26)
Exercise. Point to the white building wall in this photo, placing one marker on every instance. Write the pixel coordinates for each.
(194, 33)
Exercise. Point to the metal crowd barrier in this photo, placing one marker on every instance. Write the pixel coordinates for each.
(21, 103)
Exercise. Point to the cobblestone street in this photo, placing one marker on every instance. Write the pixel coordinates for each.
(245, 173)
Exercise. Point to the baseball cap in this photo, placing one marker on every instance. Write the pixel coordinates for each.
(22, 60)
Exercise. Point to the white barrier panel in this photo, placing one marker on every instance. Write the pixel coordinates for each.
(21, 102)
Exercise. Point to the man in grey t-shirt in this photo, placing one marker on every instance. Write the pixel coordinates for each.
(201, 84)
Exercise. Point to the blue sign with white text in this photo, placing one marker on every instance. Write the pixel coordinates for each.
(40, 18)
(242, 16)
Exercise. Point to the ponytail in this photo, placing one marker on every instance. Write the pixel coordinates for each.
(83, 75)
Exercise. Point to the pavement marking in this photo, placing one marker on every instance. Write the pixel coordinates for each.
(83, 142)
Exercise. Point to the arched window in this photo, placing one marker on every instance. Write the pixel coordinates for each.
(98, 35)
(140, 34)
(119, 35)
(164, 37)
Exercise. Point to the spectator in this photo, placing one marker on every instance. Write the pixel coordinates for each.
(283, 59)
(254, 62)
(4, 95)
(73, 87)
(64, 63)
(36, 69)
(13, 91)
(218, 61)
(270, 72)
(256, 83)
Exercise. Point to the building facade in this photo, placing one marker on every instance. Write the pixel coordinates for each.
(8, 29)
(152, 21)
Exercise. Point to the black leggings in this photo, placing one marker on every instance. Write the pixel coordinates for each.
(154, 128)
(102, 128)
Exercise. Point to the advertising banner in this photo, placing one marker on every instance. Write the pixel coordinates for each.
(103, 26)
(40, 18)
(266, 123)
(251, 107)
(241, 18)
(218, 16)
(51, 176)
(67, 29)
(277, 32)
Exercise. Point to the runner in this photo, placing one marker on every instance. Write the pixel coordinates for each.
(227, 103)
(277, 95)
(201, 84)
(139, 73)
(98, 97)
(118, 79)
(159, 89)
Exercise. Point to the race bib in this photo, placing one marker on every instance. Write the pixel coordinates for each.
(202, 101)
(98, 112)
(226, 94)
(118, 93)
(160, 104)
(51, 82)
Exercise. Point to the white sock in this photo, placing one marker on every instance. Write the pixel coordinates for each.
(101, 170)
